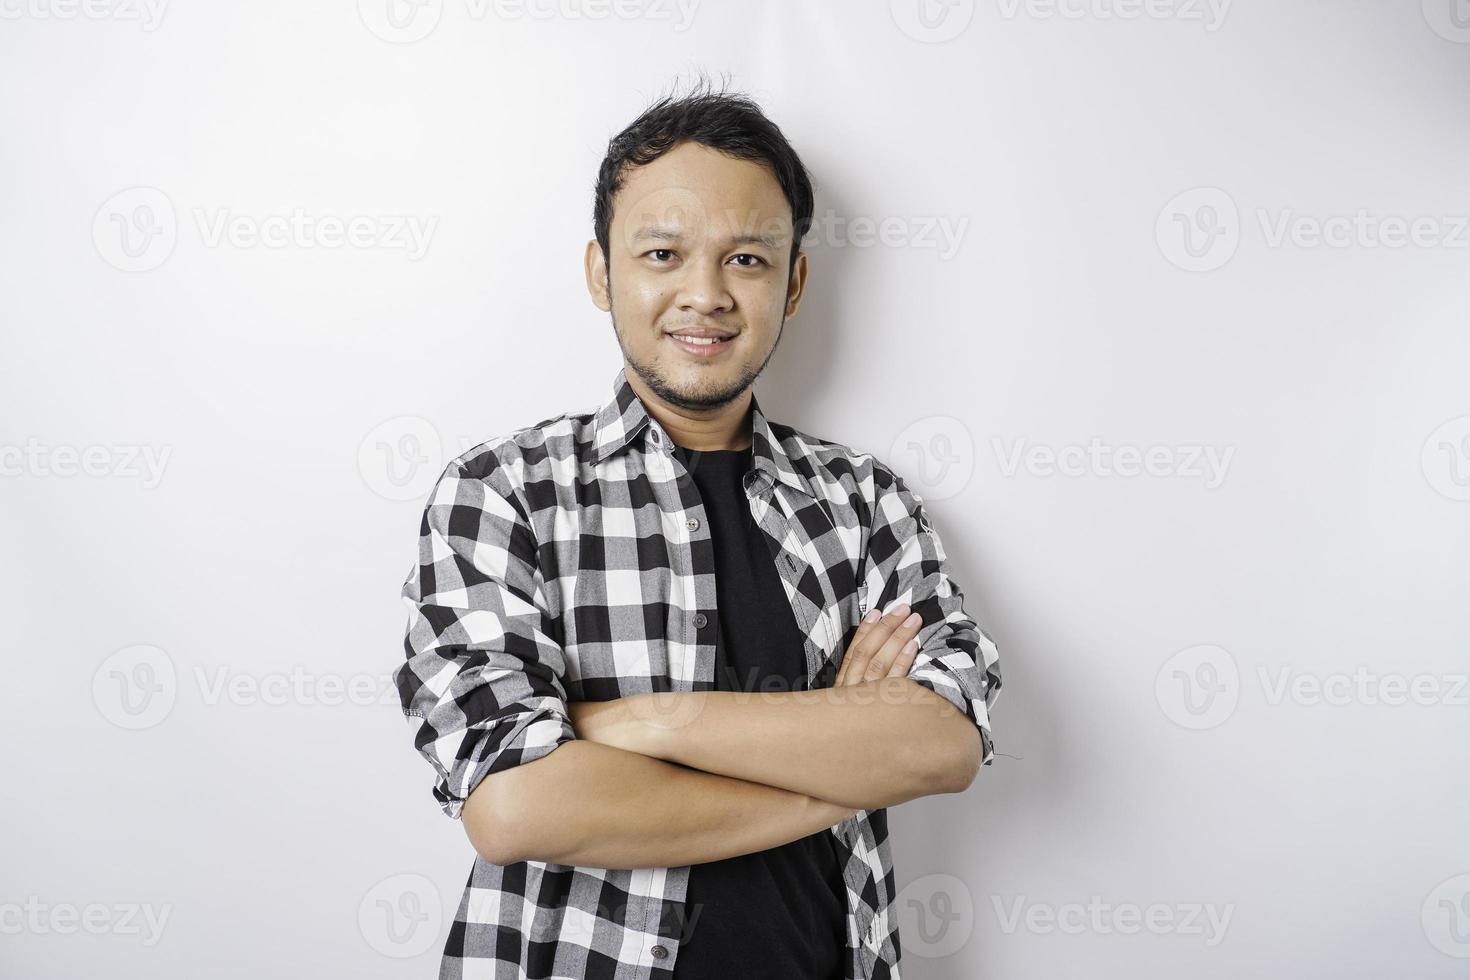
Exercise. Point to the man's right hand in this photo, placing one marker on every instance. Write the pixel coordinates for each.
(882, 647)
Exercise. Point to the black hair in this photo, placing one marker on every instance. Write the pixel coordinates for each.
(728, 122)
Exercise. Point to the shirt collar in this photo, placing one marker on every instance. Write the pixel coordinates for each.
(621, 420)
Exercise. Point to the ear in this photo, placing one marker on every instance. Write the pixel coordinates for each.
(595, 265)
(795, 285)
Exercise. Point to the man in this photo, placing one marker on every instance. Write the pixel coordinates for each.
(636, 651)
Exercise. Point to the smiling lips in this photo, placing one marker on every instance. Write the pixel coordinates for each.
(702, 342)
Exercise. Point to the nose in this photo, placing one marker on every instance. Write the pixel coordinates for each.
(702, 288)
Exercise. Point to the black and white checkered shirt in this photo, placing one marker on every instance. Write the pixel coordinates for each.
(571, 561)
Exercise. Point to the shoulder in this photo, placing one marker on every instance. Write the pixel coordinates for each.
(828, 464)
(511, 461)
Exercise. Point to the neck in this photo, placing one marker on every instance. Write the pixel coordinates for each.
(725, 427)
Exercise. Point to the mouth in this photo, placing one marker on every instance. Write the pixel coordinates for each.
(702, 344)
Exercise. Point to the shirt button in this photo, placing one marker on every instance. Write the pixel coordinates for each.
(700, 619)
(659, 952)
(692, 524)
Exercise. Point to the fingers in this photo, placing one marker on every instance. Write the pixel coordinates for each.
(863, 636)
(898, 647)
(905, 659)
(883, 648)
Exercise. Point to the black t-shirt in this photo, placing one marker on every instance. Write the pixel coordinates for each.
(781, 913)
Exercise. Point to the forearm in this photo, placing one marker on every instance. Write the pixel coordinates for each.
(594, 805)
(864, 746)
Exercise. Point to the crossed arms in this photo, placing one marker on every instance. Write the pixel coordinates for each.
(669, 779)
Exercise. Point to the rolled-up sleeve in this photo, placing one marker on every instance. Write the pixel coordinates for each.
(905, 561)
(482, 685)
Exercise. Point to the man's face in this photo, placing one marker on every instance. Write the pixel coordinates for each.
(697, 239)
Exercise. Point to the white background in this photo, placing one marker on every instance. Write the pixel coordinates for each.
(1200, 672)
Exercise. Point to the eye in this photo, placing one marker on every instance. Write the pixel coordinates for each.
(660, 251)
(747, 255)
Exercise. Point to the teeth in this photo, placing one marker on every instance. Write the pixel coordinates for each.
(700, 340)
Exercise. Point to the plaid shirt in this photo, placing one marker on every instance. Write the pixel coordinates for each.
(570, 561)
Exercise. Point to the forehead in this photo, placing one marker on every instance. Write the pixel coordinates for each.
(695, 186)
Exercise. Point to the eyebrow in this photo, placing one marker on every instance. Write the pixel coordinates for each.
(670, 235)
